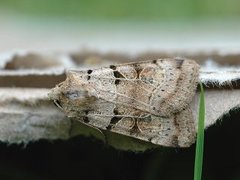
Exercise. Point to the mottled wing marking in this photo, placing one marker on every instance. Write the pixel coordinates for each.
(154, 87)
(146, 100)
(176, 130)
(184, 88)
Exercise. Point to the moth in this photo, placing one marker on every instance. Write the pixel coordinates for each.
(146, 100)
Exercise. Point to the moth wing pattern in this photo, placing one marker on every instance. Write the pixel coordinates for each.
(161, 87)
(145, 100)
(175, 131)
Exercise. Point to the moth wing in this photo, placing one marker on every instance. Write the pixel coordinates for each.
(175, 131)
(161, 87)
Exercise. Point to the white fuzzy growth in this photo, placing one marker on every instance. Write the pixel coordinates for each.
(213, 73)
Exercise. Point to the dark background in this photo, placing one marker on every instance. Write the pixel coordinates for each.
(88, 158)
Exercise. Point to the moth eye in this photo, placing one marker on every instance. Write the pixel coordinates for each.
(58, 104)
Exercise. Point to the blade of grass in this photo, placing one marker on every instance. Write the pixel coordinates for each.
(200, 138)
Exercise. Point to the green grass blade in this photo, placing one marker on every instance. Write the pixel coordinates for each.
(200, 138)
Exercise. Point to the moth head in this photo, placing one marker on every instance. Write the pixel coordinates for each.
(74, 94)
(54, 95)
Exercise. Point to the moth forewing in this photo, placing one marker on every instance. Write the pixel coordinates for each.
(177, 130)
(145, 100)
(177, 89)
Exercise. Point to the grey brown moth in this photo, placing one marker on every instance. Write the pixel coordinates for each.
(145, 100)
